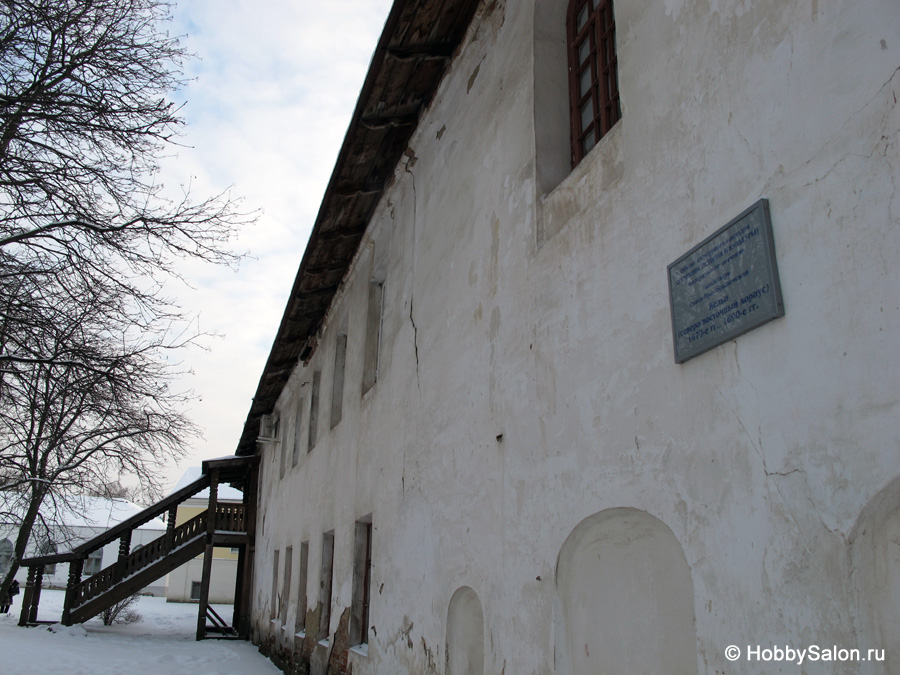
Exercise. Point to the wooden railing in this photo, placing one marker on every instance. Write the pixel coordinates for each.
(137, 560)
(231, 525)
(96, 584)
(229, 517)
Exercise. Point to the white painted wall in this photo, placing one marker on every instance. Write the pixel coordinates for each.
(77, 535)
(527, 379)
(221, 581)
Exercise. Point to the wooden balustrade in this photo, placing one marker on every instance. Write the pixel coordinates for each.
(220, 525)
(229, 518)
(137, 560)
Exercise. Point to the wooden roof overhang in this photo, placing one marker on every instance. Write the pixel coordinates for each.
(419, 40)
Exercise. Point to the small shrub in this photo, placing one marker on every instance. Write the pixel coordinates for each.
(122, 612)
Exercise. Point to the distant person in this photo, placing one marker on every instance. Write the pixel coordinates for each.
(7, 602)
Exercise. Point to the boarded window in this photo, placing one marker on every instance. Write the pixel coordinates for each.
(273, 610)
(325, 584)
(337, 388)
(314, 410)
(298, 428)
(286, 588)
(373, 335)
(362, 582)
(301, 586)
(283, 463)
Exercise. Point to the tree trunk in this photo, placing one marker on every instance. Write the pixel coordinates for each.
(22, 539)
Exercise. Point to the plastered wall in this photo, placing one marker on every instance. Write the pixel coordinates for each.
(526, 380)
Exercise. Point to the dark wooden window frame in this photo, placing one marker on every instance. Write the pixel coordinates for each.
(362, 582)
(593, 73)
(326, 584)
(302, 580)
(367, 583)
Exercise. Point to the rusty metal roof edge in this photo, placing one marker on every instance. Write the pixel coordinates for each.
(263, 400)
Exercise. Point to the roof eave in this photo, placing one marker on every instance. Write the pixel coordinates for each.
(411, 58)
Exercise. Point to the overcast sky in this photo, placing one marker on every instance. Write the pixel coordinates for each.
(267, 108)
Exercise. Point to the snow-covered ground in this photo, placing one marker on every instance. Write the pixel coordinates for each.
(161, 643)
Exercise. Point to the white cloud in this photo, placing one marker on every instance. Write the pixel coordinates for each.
(267, 108)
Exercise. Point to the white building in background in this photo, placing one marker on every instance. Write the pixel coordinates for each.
(183, 583)
(88, 517)
(480, 451)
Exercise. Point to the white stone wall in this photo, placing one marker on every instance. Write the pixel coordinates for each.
(526, 378)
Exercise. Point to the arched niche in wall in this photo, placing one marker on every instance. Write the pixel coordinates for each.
(625, 598)
(875, 551)
(551, 95)
(465, 634)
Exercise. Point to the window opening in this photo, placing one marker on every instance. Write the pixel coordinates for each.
(195, 590)
(374, 315)
(314, 410)
(301, 586)
(48, 548)
(286, 589)
(362, 581)
(337, 389)
(593, 73)
(283, 460)
(298, 428)
(93, 564)
(7, 552)
(326, 583)
(268, 427)
(273, 610)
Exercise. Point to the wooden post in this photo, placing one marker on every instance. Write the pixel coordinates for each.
(213, 503)
(170, 527)
(26, 598)
(36, 593)
(248, 552)
(238, 588)
(75, 569)
(250, 496)
(204, 591)
(208, 553)
(124, 550)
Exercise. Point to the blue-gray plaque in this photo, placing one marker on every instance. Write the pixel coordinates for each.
(726, 285)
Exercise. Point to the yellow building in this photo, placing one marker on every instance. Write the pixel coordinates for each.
(183, 583)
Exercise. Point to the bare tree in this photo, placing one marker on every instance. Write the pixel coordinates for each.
(88, 242)
(97, 407)
(84, 114)
(114, 489)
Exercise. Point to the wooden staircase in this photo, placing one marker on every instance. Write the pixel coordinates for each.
(142, 567)
(233, 525)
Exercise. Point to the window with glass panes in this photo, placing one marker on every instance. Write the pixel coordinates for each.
(93, 564)
(593, 77)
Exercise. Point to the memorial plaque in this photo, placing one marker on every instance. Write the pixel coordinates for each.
(726, 285)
